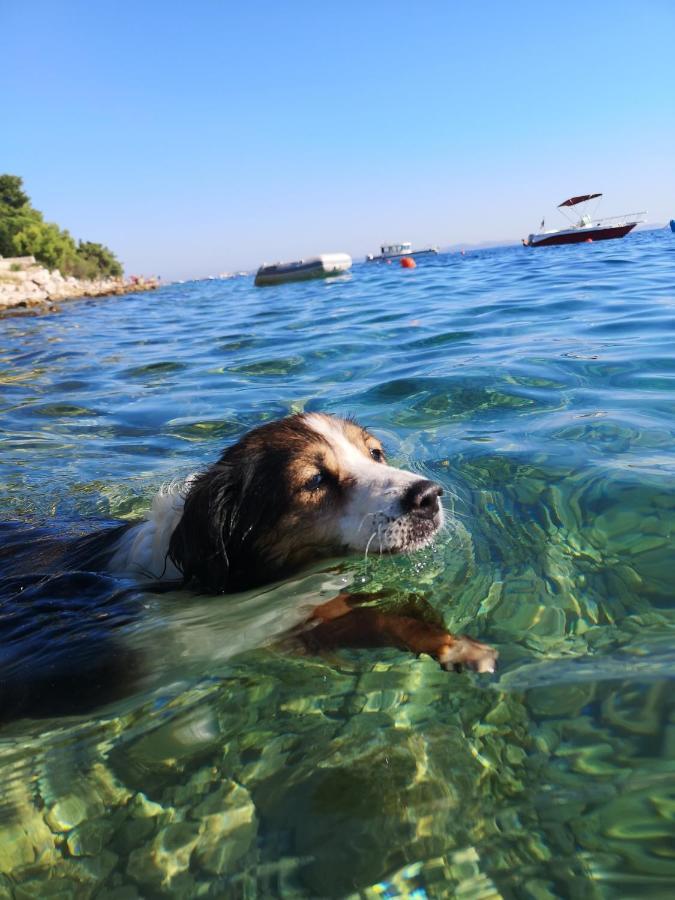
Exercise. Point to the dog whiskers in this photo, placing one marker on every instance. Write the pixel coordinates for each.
(451, 512)
(448, 492)
(367, 516)
(370, 541)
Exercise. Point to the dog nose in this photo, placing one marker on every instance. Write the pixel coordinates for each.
(421, 498)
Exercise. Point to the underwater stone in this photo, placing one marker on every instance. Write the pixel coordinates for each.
(158, 864)
(273, 754)
(122, 892)
(226, 838)
(184, 887)
(157, 759)
(89, 838)
(614, 523)
(199, 784)
(58, 888)
(134, 833)
(141, 807)
(555, 700)
(500, 714)
(227, 796)
(30, 842)
(629, 576)
(549, 620)
(97, 868)
(648, 542)
(547, 737)
(106, 786)
(492, 600)
(516, 756)
(67, 813)
(16, 848)
(228, 828)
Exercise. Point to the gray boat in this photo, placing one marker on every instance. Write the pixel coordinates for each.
(323, 266)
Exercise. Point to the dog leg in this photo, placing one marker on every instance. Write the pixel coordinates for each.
(343, 622)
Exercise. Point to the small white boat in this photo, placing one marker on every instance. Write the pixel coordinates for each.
(396, 251)
(322, 266)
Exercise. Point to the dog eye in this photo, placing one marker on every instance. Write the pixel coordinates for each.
(315, 481)
(377, 454)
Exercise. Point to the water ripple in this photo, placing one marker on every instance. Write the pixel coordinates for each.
(537, 386)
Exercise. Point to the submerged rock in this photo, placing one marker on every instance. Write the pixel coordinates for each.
(158, 864)
(228, 828)
(90, 838)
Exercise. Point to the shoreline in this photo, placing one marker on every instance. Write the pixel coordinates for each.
(27, 288)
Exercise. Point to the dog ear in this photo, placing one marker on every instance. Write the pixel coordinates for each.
(200, 544)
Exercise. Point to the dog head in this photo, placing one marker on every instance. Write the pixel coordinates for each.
(292, 491)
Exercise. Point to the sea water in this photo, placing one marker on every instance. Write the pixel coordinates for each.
(538, 386)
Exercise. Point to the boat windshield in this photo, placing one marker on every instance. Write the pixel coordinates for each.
(389, 249)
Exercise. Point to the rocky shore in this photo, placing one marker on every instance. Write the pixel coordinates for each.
(25, 286)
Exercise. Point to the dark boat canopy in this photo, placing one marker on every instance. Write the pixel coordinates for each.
(582, 198)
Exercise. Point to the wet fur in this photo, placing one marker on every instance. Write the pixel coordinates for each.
(287, 494)
(233, 533)
(309, 486)
(255, 516)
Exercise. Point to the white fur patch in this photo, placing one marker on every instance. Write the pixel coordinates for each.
(373, 515)
(143, 550)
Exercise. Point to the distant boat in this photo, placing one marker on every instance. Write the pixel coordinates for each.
(323, 266)
(672, 224)
(396, 251)
(586, 228)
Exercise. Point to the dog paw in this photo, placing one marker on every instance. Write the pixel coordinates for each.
(462, 652)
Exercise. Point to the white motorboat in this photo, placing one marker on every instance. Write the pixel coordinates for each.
(587, 228)
(396, 251)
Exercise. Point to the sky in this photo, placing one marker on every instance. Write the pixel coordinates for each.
(196, 138)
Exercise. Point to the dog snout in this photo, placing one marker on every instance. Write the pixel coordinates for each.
(421, 499)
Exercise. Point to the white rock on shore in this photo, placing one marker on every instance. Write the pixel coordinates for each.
(25, 284)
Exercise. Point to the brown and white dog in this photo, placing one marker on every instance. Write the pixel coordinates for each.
(290, 492)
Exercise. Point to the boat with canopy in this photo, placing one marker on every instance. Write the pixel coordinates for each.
(584, 226)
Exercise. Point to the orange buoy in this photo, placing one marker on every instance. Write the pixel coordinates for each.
(407, 262)
(589, 240)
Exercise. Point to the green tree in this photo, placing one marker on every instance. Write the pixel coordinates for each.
(48, 243)
(104, 259)
(12, 221)
(11, 192)
(24, 232)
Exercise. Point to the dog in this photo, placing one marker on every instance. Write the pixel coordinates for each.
(289, 493)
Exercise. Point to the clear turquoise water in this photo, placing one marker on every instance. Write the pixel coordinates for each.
(539, 388)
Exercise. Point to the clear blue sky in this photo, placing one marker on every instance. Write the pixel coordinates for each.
(199, 137)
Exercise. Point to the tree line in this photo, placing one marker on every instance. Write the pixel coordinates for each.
(24, 232)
